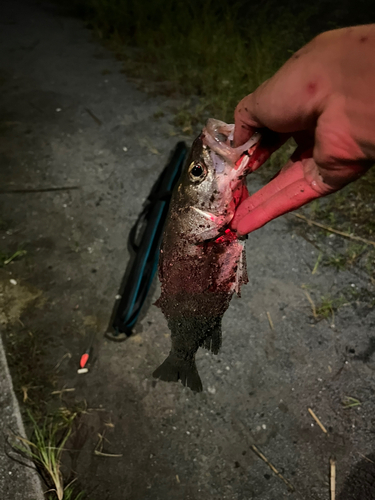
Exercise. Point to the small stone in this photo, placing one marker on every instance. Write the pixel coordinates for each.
(13, 282)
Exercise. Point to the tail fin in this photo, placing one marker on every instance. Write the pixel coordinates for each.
(174, 369)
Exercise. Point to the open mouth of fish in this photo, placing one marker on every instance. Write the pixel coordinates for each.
(217, 137)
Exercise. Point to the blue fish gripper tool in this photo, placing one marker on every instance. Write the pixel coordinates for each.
(144, 247)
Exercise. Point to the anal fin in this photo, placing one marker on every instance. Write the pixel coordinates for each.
(213, 341)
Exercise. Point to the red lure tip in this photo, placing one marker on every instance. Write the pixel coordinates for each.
(84, 359)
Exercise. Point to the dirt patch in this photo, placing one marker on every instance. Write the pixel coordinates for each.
(15, 298)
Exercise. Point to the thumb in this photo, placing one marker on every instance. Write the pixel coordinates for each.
(245, 123)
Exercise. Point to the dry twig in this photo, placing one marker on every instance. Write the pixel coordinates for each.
(317, 421)
(278, 474)
(313, 307)
(60, 393)
(270, 321)
(364, 456)
(99, 448)
(335, 231)
(333, 478)
(66, 355)
(25, 389)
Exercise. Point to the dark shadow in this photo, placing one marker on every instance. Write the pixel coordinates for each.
(360, 485)
(367, 353)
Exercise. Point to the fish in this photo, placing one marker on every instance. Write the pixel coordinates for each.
(202, 261)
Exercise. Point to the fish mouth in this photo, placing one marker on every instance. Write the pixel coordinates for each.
(218, 135)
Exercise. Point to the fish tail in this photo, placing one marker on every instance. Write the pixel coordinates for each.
(174, 369)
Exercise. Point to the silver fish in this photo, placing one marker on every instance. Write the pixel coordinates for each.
(202, 261)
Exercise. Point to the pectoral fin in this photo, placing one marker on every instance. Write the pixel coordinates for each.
(217, 220)
(212, 224)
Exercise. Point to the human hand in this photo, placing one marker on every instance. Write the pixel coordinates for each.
(323, 97)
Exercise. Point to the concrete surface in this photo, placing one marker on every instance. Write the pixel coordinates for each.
(161, 440)
(16, 481)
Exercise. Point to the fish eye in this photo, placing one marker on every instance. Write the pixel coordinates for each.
(197, 172)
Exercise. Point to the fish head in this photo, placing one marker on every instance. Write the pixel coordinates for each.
(211, 183)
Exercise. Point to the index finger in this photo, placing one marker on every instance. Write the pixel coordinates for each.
(288, 102)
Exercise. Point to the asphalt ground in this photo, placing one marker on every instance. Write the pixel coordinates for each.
(70, 117)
